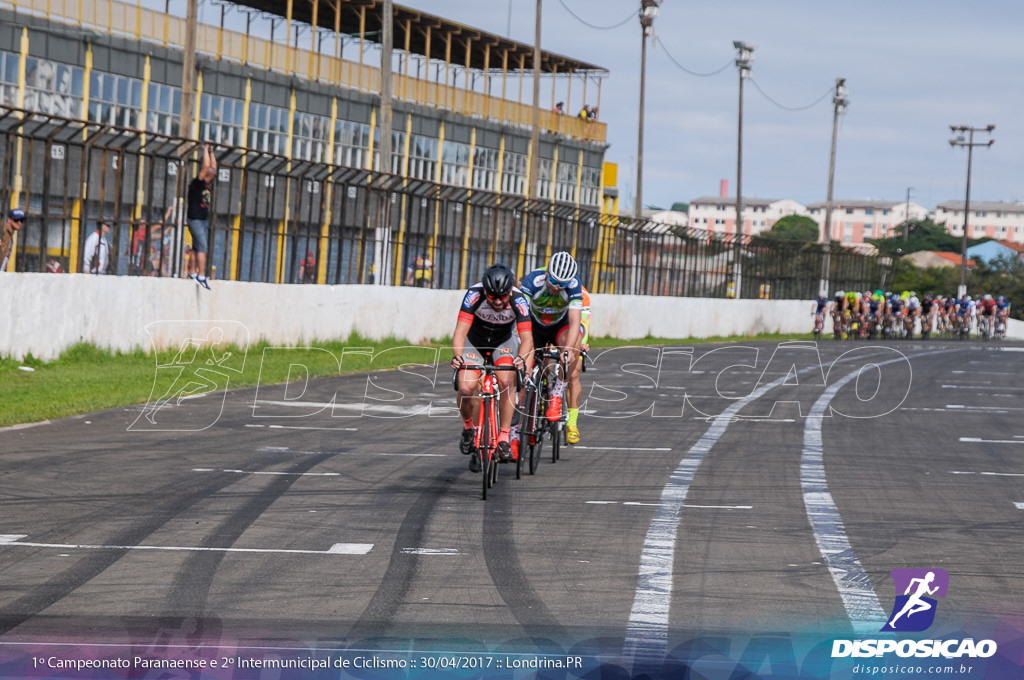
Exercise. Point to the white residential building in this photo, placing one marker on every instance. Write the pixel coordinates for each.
(718, 213)
(993, 219)
(859, 221)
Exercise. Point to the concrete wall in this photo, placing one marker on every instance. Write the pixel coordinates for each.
(48, 313)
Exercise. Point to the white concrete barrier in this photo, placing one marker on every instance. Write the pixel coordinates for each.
(49, 313)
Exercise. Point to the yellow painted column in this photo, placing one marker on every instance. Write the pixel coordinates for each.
(501, 174)
(402, 223)
(579, 185)
(437, 183)
(288, 39)
(463, 281)
(282, 231)
(19, 179)
(373, 129)
(77, 206)
(140, 187)
(236, 221)
(325, 227)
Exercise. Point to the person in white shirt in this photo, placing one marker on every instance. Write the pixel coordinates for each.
(97, 250)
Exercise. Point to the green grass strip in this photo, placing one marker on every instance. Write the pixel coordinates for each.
(86, 379)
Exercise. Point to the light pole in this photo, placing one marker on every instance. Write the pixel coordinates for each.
(648, 12)
(744, 60)
(906, 217)
(970, 144)
(839, 102)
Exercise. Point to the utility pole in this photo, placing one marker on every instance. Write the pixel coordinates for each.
(744, 60)
(648, 12)
(839, 103)
(535, 122)
(906, 216)
(387, 46)
(188, 72)
(959, 140)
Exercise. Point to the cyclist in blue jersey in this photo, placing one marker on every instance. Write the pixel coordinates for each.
(1002, 312)
(555, 295)
(492, 312)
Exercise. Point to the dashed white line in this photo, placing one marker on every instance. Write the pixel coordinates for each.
(620, 448)
(262, 472)
(979, 440)
(336, 549)
(307, 427)
(988, 474)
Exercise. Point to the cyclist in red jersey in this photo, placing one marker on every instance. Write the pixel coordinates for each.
(492, 312)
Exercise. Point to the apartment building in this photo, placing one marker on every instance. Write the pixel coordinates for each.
(717, 214)
(859, 221)
(997, 220)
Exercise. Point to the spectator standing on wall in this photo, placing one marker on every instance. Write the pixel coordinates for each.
(15, 219)
(560, 107)
(97, 249)
(139, 239)
(200, 193)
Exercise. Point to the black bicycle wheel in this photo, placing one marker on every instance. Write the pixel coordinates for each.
(530, 434)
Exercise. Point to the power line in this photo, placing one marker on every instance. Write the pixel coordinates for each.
(661, 44)
(600, 28)
(791, 108)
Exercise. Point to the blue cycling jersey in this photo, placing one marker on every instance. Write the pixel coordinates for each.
(549, 308)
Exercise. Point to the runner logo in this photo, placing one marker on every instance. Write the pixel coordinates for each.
(914, 610)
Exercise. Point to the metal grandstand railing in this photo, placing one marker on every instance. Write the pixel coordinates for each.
(271, 212)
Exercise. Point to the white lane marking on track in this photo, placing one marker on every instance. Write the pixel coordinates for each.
(620, 448)
(647, 628)
(352, 453)
(685, 505)
(1011, 349)
(982, 388)
(336, 549)
(985, 408)
(979, 440)
(989, 474)
(247, 472)
(646, 639)
(366, 407)
(430, 551)
(1019, 506)
(307, 427)
(852, 582)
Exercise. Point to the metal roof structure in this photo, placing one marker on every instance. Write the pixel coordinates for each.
(412, 27)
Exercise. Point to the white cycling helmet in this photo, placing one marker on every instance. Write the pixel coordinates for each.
(562, 268)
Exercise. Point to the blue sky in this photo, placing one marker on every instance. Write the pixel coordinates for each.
(912, 68)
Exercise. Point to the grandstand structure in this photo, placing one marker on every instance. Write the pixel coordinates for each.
(90, 128)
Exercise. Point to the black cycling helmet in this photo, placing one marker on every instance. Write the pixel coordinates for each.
(498, 281)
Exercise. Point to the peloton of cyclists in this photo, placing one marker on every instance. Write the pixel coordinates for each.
(492, 313)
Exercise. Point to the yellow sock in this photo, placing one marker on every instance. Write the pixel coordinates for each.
(574, 413)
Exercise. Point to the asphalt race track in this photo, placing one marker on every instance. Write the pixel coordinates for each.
(721, 492)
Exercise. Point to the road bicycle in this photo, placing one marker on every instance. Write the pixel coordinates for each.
(985, 327)
(534, 427)
(486, 440)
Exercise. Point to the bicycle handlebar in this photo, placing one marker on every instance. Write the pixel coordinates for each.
(487, 368)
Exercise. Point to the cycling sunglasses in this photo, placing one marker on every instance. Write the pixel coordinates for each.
(556, 284)
(499, 298)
